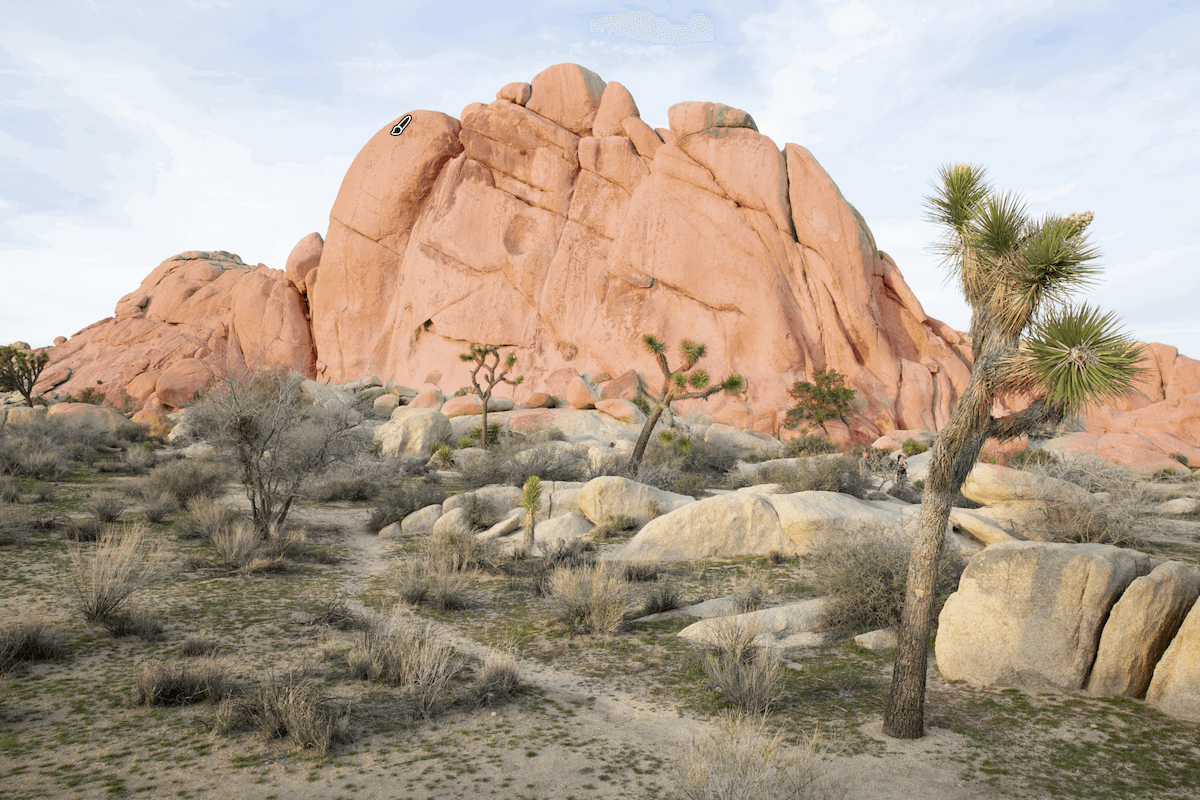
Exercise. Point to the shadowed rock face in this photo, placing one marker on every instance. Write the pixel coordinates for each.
(566, 227)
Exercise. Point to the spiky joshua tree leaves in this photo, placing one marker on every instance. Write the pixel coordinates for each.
(686, 383)
(531, 501)
(822, 400)
(1017, 273)
(19, 370)
(487, 361)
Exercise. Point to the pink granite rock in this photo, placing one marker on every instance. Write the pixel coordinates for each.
(622, 410)
(580, 394)
(303, 259)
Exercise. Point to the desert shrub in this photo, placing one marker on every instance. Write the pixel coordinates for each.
(357, 489)
(398, 503)
(203, 519)
(455, 548)
(662, 596)
(288, 705)
(158, 506)
(641, 570)
(44, 493)
(186, 479)
(590, 598)
(16, 523)
(613, 526)
(107, 507)
(10, 490)
(44, 463)
(133, 623)
(102, 579)
(710, 460)
(285, 542)
(181, 683)
(444, 453)
(691, 483)
(747, 675)
(497, 677)
(339, 614)
(1182, 459)
(412, 580)
(741, 760)
(1022, 459)
(751, 589)
(809, 445)
(493, 432)
(1124, 518)
(449, 590)
(236, 543)
(403, 651)
(549, 463)
(866, 571)
(138, 459)
(821, 474)
(199, 645)
(29, 639)
(87, 529)
(912, 447)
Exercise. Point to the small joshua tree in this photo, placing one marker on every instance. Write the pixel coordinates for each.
(531, 501)
(20, 369)
(827, 397)
(487, 361)
(681, 384)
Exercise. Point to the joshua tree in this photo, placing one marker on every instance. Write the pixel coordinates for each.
(531, 501)
(487, 360)
(678, 385)
(827, 397)
(19, 370)
(1017, 274)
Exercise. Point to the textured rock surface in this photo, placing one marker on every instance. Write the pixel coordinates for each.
(1029, 615)
(602, 499)
(1175, 688)
(190, 306)
(416, 430)
(1140, 627)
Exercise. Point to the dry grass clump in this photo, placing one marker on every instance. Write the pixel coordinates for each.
(497, 678)
(338, 614)
(866, 570)
(29, 639)
(740, 759)
(751, 589)
(102, 578)
(641, 570)
(185, 479)
(203, 519)
(592, 599)
(236, 543)
(458, 549)
(613, 526)
(199, 645)
(16, 523)
(429, 579)
(288, 705)
(662, 596)
(35, 450)
(159, 506)
(88, 529)
(107, 507)
(10, 490)
(750, 677)
(133, 623)
(181, 683)
(406, 652)
(819, 474)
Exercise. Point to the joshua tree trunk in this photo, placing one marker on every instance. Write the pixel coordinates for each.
(644, 438)
(483, 441)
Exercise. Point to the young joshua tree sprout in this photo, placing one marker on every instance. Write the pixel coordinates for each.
(531, 501)
(1017, 273)
(681, 384)
(487, 361)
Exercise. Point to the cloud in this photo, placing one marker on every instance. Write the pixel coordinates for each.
(645, 27)
(897, 167)
(1112, 236)
(1046, 195)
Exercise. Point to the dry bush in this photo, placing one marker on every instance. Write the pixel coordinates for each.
(397, 504)
(199, 645)
(158, 506)
(100, 579)
(412, 580)
(44, 493)
(285, 542)
(497, 678)
(818, 474)
(809, 445)
(186, 479)
(107, 507)
(750, 677)
(181, 683)
(204, 518)
(87, 529)
(662, 596)
(236, 544)
(138, 460)
(1123, 518)
(288, 705)
(16, 523)
(10, 490)
(709, 460)
(751, 589)
(29, 639)
(866, 570)
(45, 464)
(741, 760)
(338, 614)
(593, 598)
(134, 623)
(406, 652)
(457, 549)
(641, 570)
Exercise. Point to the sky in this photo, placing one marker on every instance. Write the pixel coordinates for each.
(130, 132)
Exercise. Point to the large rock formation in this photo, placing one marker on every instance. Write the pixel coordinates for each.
(192, 306)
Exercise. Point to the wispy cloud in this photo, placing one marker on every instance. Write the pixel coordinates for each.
(1046, 195)
(645, 27)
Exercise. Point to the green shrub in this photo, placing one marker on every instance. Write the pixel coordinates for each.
(1024, 459)
(398, 503)
(827, 397)
(692, 484)
(912, 447)
(1182, 459)
(866, 571)
(819, 474)
(358, 488)
(809, 445)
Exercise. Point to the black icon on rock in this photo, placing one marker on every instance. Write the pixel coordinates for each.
(401, 125)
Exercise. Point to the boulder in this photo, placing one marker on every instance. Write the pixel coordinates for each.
(773, 624)
(990, 484)
(456, 519)
(726, 526)
(304, 258)
(878, 641)
(622, 411)
(507, 524)
(566, 526)
(96, 419)
(743, 442)
(809, 519)
(567, 94)
(1141, 625)
(559, 498)
(717, 607)
(493, 503)
(581, 394)
(539, 400)
(23, 415)
(466, 405)
(1180, 505)
(386, 403)
(604, 498)
(979, 527)
(413, 430)
(1175, 687)
(1029, 615)
(575, 425)
(421, 521)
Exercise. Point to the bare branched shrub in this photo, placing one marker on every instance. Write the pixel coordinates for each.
(133, 623)
(29, 639)
(10, 490)
(285, 542)
(287, 705)
(340, 615)
(741, 759)
(138, 459)
(107, 507)
(204, 518)
(398, 503)
(16, 523)
(181, 683)
(866, 570)
(186, 479)
(751, 588)
(102, 578)
(641, 570)
(662, 596)
(497, 678)
(158, 506)
(593, 598)
(750, 677)
(86, 529)
(412, 580)
(44, 463)
(198, 645)
(401, 650)
(449, 590)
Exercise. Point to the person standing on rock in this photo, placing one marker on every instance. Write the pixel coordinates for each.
(901, 469)
(864, 465)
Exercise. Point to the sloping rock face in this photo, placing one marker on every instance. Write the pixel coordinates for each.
(555, 221)
(191, 306)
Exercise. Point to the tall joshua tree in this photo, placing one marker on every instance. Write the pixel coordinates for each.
(487, 361)
(1017, 273)
(681, 384)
